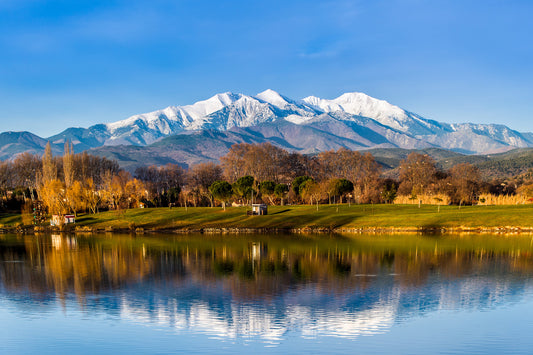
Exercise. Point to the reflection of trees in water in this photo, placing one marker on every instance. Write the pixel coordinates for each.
(241, 286)
(58, 264)
(246, 268)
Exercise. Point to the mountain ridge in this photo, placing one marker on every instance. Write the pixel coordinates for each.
(353, 120)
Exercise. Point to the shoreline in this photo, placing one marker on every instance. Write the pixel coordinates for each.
(354, 219)
(31, 230)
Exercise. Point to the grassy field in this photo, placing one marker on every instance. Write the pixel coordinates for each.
(294, 217)
(10, 219)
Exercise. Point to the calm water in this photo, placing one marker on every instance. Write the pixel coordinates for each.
(257, 293)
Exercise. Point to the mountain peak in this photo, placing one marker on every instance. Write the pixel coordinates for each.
(361, 104)
(272, 97)
(213, 104)
(226, 98)
(269, 92)
(354, 96)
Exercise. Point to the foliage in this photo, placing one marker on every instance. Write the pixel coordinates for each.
(417, 174)
(526, 191)
(340, 187)
(243, 187)
(464, 183)
(261, 161)
(49, 168)
(199, 178)
(487, 199)
(164, 183)
(77, 183)
(429, 199)
(310, 190)
(267, 189)
(389, 191)
(280, 191)
(68, 164)
(222, 191)
(297, 182)
(52, 194)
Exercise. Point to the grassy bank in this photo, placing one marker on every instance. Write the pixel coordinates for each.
(307, 217)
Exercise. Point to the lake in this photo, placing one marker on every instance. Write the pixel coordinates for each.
(413, 294)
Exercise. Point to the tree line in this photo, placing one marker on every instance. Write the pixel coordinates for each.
(248, 173)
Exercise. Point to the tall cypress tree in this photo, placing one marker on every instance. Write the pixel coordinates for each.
(49, 168)
(68, 164)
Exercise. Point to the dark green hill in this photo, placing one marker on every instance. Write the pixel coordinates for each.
(501, 165)
(512, 163)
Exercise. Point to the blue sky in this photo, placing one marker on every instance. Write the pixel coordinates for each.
(77, 63)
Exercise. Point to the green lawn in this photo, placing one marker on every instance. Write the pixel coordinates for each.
(10, 219)
(327, 216)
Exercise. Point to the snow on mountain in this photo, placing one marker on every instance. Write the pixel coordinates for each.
(476, 138)
(227, 110)
(363, 105)
(183, 115)
(221, 112)
(360, 104)
(148, 127)
(273, 98)
(297, 119)
(204, 108)
(498, 132)
(362, 120)
(246, 111)
(291, 110)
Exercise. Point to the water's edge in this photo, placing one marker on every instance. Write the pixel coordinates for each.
(237, 230)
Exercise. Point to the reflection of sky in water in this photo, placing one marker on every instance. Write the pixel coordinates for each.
(166, 325)
(486, 308)
(265, 324)
(347, 316)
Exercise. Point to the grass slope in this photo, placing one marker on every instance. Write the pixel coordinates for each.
(327, 216)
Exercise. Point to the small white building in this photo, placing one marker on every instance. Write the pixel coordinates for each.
(259, 209)
(58, 219)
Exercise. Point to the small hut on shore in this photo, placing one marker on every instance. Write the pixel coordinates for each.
(60, 219)
(258, 209)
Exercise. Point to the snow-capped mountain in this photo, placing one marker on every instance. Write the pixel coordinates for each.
(399, 127)
(146, 128)
(352, 120)
(220, 112)
(360, 104)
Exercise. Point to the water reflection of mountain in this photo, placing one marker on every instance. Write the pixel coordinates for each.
(265, 286)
